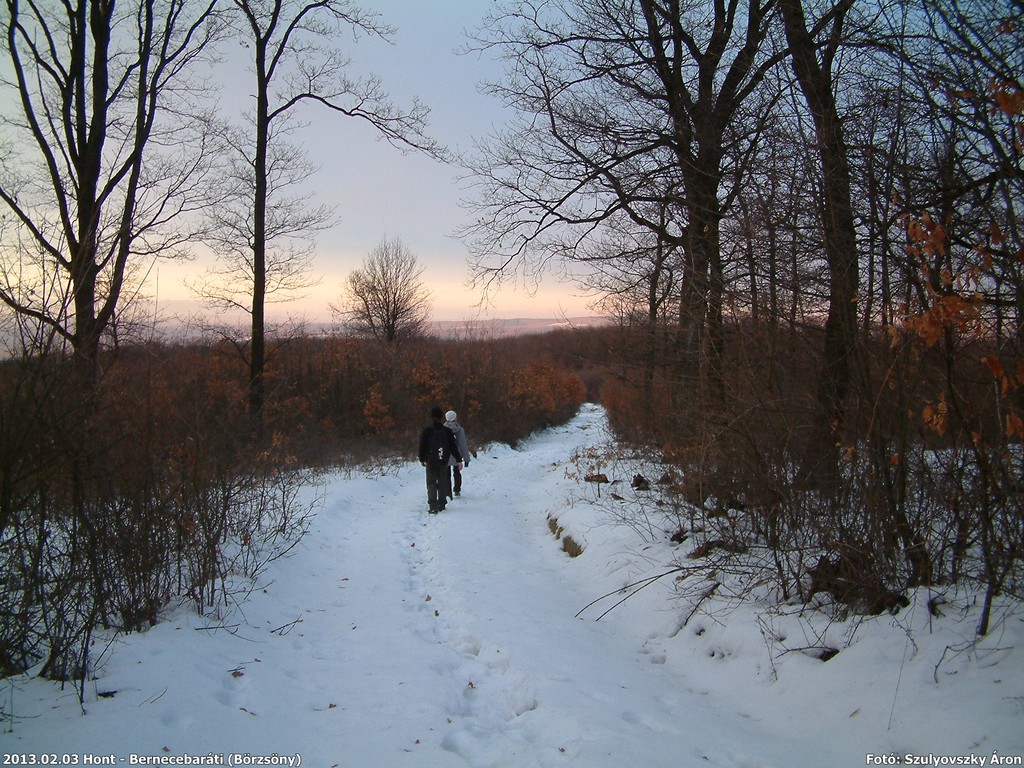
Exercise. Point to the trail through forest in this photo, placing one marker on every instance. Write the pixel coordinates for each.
(390, 637)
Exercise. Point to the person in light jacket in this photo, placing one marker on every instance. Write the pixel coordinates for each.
(455, 481)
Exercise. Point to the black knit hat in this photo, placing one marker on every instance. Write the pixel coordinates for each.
(437, 413)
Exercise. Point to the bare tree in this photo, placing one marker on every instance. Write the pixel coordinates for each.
(102, 154)
(814, 68)
(385, 298)
(630, 108)
(294, 61)
(292, 219)
(635, 272)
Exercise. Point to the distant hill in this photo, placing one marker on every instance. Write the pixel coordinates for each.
(518, 326)
(179, 320)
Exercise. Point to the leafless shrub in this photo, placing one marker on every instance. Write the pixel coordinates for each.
(108, 518)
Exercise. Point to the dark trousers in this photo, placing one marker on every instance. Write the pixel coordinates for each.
(455, 480)
(437, 485)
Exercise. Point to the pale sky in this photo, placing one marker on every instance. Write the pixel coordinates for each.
(378, 191)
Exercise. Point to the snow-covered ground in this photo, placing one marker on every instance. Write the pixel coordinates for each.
(392, 638)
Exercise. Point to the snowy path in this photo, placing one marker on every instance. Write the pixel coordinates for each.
(472, 612)
(394, 638)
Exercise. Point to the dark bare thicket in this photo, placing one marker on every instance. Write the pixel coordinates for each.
(358, 398)
(156, 491)
(106, 518)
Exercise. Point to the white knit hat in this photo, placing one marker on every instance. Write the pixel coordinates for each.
(451, 416)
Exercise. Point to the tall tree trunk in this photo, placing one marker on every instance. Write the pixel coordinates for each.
(655, 298)
(257, 349)
(840, 359)
(91, 85)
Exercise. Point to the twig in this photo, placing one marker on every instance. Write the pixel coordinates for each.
(707, 593)
(956, 649)
(639, 584)
(288, 627)
(216, 627)
(903, 663)
(154, 698)
(818, 649)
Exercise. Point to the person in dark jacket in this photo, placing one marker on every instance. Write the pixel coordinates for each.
(455, 478)
(437, 446)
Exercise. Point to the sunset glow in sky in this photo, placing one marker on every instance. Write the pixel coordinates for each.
(380, 192)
